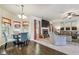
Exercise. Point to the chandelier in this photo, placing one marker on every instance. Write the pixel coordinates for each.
(21, 15)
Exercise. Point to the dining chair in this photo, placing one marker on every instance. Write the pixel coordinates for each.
(16, 40)
(5, 38)
(24, 38)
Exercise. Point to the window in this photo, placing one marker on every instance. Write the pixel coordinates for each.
(62, 28)
(67, 28)
(74, 28)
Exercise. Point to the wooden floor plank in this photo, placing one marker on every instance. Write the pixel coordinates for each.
(32, 49)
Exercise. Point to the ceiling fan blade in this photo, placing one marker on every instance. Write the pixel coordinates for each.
(75, 15)
(17, 5)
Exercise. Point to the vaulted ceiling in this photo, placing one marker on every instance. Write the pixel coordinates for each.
(49, 11)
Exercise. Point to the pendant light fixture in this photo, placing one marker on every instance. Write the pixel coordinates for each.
(21, 15)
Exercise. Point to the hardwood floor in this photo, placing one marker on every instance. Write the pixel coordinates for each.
(32, 49)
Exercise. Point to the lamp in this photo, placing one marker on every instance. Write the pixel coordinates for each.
(22, 16)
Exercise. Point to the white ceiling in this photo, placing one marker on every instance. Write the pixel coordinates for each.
(49, 11)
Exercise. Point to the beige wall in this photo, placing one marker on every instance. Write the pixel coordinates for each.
(7, 14)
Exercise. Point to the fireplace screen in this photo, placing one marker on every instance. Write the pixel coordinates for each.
(45, 33)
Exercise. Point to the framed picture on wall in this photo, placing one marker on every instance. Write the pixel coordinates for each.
(17, 24)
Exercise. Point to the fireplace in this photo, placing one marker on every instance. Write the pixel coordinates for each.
(45, 33)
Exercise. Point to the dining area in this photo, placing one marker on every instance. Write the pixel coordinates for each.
(18, 40)
(15, 32)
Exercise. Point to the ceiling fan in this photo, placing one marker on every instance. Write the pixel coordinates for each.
(71, 14)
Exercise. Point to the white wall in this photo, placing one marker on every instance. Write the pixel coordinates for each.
(31, 26)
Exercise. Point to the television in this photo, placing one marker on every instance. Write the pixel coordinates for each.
(67, 28)
(45, 23)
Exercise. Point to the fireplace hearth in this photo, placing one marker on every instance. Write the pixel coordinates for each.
(45, 33)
